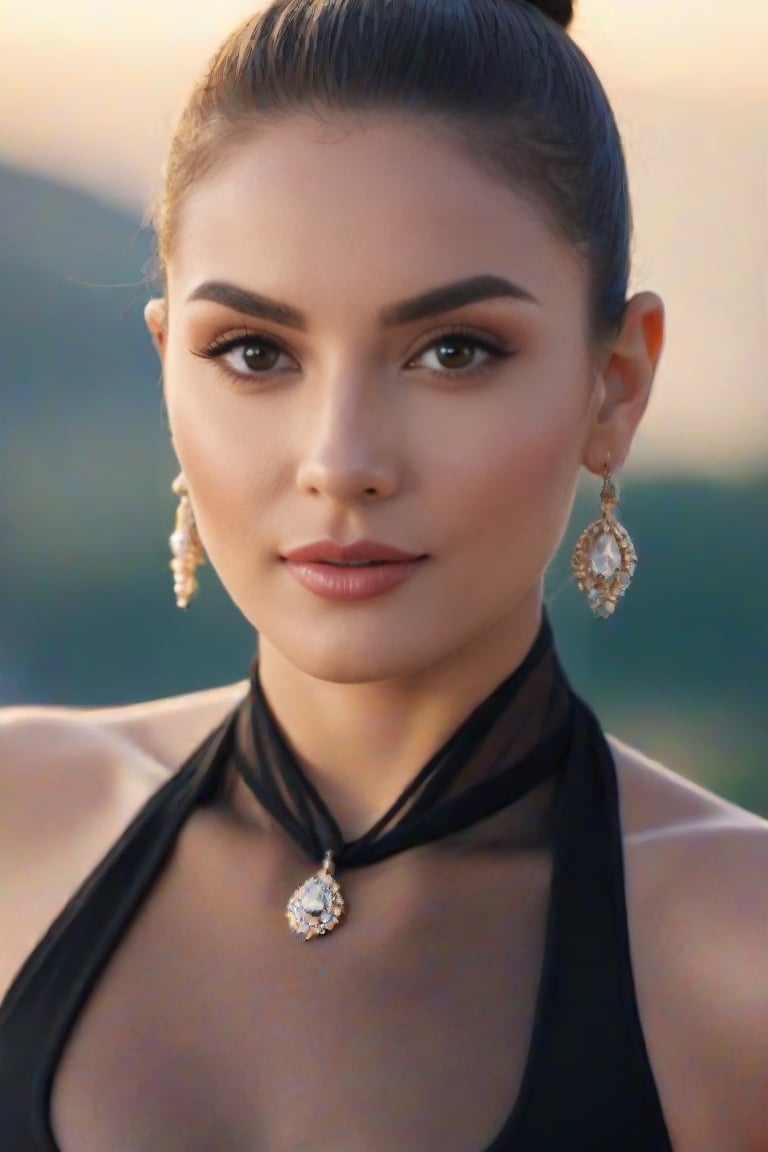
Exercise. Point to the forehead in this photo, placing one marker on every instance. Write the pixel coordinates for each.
(375, 203)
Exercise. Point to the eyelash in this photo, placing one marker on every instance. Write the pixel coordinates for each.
(218, 348)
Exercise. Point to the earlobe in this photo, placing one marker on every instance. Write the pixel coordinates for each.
(156, 317)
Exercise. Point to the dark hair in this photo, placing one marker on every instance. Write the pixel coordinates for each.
(503, 76)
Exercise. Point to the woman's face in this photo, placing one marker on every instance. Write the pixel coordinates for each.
(454, 430)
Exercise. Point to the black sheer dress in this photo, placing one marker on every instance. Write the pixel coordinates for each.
(477, 996)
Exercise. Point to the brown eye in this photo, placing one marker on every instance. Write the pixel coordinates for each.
(259, 357)
(245, 355)
(460, 354)
(455, 353)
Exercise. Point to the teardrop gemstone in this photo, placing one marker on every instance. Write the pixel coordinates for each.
(605, 558)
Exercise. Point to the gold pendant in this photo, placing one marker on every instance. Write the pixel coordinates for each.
(317, 905)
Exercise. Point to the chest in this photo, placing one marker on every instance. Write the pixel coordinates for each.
(213, 1026)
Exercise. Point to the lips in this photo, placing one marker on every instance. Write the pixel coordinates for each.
(332, 552)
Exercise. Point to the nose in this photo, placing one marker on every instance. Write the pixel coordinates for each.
(351, 452)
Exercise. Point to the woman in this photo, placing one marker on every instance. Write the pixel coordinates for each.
(402, 893)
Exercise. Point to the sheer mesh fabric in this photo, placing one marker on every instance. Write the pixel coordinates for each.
(171, 1008)
(487, 762)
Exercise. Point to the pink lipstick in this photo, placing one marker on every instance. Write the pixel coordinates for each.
(356, 571)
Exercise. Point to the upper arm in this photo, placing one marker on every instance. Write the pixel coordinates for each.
(702, 972)
(735, 1016)
(697, 898)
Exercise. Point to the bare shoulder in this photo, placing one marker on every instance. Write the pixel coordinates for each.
(654, 798)
(696, 862)
(166, 731)
(71, 780)
(698, 910)
(143, 742)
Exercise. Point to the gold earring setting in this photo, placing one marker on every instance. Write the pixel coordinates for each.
(186, 546)
(604, 559)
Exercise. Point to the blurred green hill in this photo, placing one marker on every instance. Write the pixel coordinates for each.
(86, 610)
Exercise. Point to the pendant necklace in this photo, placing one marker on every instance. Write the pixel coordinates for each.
(317, 905)
(275, 777)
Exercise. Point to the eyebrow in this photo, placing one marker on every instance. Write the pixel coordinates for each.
(442, 299)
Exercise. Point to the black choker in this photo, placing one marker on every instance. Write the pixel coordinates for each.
(514, 740)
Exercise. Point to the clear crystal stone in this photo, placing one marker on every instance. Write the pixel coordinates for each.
(313, 897)
(606, 556)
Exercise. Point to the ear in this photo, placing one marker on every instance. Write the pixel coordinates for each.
(623, 388)
(156, 320)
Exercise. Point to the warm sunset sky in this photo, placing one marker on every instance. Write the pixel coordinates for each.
(89, 88)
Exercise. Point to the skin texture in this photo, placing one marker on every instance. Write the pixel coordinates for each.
(350, 435)
(695, 866)
(354, 437)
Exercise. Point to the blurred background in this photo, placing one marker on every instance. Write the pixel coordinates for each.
(88, 95)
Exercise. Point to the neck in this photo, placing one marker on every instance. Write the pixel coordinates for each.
(361, 743)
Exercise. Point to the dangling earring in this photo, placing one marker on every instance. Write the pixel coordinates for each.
(186, 546)
(604, 559)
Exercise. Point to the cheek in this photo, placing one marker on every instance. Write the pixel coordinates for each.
(515, 470)
(203, 413)
(227, 456)
(510, 504)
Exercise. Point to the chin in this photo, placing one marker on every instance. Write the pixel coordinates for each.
(355, 653)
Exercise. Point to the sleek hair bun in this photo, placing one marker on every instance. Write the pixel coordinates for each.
(561, 11)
